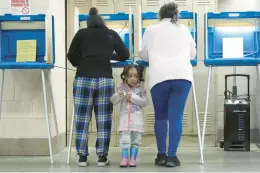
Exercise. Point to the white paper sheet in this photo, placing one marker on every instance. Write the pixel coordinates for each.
(233, 48)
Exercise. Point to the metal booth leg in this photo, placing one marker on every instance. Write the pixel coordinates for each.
(2, 91)
(257, 101)
(71, 134)
(46, 115)
(206, 112)
(197, 120)
(55, 116)
(258, 73)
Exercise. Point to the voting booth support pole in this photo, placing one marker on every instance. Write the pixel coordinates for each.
(55, 117)
(2, 89)
(208, 86)
(197, 121)
(46, 114)
(49, 31)
(48, 52)
(206, 111)
(71, 133)
(194, 93)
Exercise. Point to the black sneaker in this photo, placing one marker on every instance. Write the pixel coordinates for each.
(103, 161)
(172, 162)
(83, 161)
(161, 159)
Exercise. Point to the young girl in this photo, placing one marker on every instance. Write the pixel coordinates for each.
(132, 97)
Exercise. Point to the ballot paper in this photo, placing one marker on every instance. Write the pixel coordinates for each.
(26, 51)
(233, 48)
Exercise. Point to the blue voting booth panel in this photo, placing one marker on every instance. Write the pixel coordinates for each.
(112, 19)
(243, 25)
(31, 27)
(183, 15)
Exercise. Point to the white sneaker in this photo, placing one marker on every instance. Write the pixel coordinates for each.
(103, 161)
(83, 161)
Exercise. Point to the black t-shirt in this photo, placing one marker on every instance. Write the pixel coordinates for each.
(92, 49)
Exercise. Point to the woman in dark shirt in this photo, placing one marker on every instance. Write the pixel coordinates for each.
(91, 51)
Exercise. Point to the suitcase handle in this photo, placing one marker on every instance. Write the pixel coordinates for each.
(239, 75)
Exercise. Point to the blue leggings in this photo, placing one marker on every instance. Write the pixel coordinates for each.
(169, 99)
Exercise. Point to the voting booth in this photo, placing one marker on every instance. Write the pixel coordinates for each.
(27, 42)
(186, 18)
(121, 23)
(231, 39)
(190, 20)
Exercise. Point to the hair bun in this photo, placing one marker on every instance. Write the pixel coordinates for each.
(93, 11)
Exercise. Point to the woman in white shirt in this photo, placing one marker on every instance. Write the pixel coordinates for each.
(168, 47)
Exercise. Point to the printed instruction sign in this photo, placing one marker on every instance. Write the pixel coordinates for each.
(26, 50)
(20, 7)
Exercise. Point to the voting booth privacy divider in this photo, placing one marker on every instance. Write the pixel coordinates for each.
(27, 42)
(188, 19)
(229, 30)
(123, 24)
(231, 39)
(18, 33)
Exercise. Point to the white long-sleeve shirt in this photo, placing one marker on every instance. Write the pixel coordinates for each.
(168, 48)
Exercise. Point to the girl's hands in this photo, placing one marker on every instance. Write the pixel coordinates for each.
(129, 96)
(121, 93)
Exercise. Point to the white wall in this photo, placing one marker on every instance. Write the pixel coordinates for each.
(23, 112)
(236, 5)
(257, 5)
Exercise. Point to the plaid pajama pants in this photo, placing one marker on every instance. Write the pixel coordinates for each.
(89, 93)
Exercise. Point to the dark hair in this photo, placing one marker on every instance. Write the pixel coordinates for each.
(95, 19)
(93, 11)
(169, 10)
(139, 69)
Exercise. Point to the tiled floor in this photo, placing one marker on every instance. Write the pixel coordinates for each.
(216, 160)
